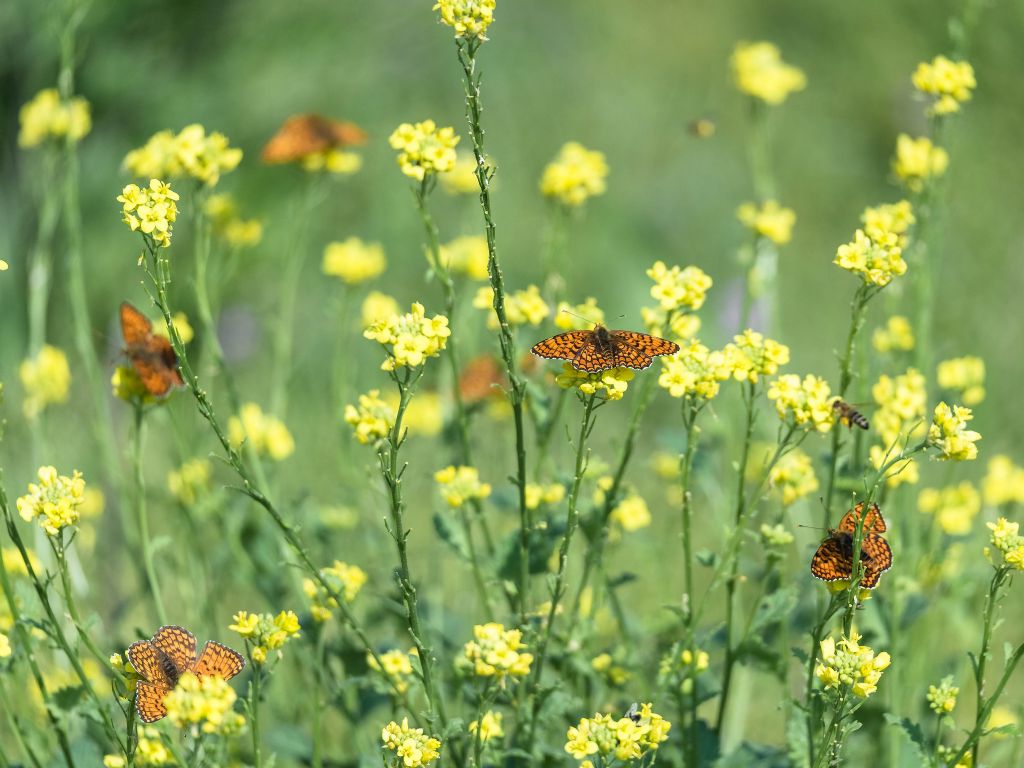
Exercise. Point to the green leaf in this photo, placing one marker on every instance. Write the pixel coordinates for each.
(796, 740)
(706, 557)
(452, 535)
(755, 652)
(456, 727)
(542, 542)
(621, 580)
(67, 699)
(913, 733)
(774, 609)
(751, 755)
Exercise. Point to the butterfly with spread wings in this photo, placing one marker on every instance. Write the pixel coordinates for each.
(600, 349)
(303, 135)
(151, 355)
(164, 658)
(833, 561)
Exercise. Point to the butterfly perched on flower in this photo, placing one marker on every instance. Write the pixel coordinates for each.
(600, 349)
(302, 135)
(151, 355)
(163, 659)
(833, 561)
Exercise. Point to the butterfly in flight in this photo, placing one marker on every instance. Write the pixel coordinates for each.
(849, 416)
(163, 659)
(302, 135)
(152, 356)
(599, 349)
(834, 559)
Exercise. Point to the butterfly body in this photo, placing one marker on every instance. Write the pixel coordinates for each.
(151, 356)
(601, 349)
(849, 416)
(163, 659)
(833, 560)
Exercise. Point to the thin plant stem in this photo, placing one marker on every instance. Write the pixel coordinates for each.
(16, 731)
(835, 603)
(254, 710)
(141, 518)
(40, 261)
(986, 641)
(690, 410)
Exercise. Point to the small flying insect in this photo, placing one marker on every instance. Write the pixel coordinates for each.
(849, 416)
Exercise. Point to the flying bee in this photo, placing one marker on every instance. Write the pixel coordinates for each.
(849, 416)
(633, 713)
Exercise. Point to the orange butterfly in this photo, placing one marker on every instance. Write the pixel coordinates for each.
(480, 379)
(600, 349)
(152, 356)
(833, 560)
(302, 135)
(170, 653)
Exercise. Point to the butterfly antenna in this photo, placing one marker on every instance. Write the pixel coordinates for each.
(581, 317)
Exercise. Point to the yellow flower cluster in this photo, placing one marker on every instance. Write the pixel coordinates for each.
(265, 434)
(498, 652)
(678, 288)
(424, 148)
(372, 419)
(411, 338)
(151, 211)
(604, 664)
(751, 355)
(537, 494)
(423, 414)
(354, 261)
(190, 481)
(901, 402)
(1007, 539)
(377, 307)
(521, 307)
(5, 646)
(794, 476)
(126, 384)
(809, 401)
(1003, 483)
(678, 669)
(150, 751)
(942, 697)
(876, 261)
(56, 500)
(46, 379)
(206, 703)
(631, 514)
(395, 665)
(490, 726)
(46, 116)
(191, 152)
(264, 632)
(693, 371)
(768, 220)
(229, 226)
(896, 336)
(461, 180)
(469, 18)
(575, 175)
(567, 316)
(332, 160)
(758, 70)
(775, 535)
(466, 256)
(849, 664)
(627, 738)
(613, 382)
(344, 579)
(966, 376)
(13, 564)
(680, 325)
(917, 161)
(950, 82)
(461, 484)
(412, 747)
(955, 506)
(889, 223)
(950, 435)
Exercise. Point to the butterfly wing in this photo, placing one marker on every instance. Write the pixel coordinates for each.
(648, 345)
(135, 326)
(876, 555)
(149, 701)
(832, 561)
(149, 662)
(591, 359)
(179, 644)
(219, 661)
(564, 346)
(873, 520)
(625, 355)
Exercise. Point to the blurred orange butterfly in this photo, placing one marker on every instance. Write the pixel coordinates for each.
(152, 356)
(163, 659)
(302, 135)
(833, 561)
(600, 349)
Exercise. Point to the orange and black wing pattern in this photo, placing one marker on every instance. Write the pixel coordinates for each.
(149, 701)
(178, 644)
(564, 346)
(873, 520)
(625, 355)
(135, 326)
(218, 660)
(876, 555)
(151, 356)
(651, 346)
(150, 663)
(832, 561)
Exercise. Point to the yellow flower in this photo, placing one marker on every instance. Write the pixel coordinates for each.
(3, 265)
(758, 70)
(56, 500)
(466, 256)
(461, 179)
(113, 761)
(628, 738)
(354, 261)
(889, 223)
(751, 356)
(423, 415)
(950, 435)
(190, 481)
(604, 664)
(1003, 483)
(394, 665)
(372, 419)
(965, 375)
(344, 579)
(543, 494)
(1007, 539)
(489, 726)
(876, 262)
(775, 535)
(809, 401)
(569, 316)
(410, 338)
(192, 152)
(950, 82)
(768, 220)
(424, 148)
(469, 18)
(46, 379)
(955, 506)
(1001, 716)
(47, 117)
(613, 382)
(229, 226)
(897, 335)
(334, 160)
(680, 325)
(917, 161)
(151, 211)
(521, 307)
(265, 632)
(678, 288)
(207, 703)
(793, 474)
(377, 307)
(5, 646)
(899, 418)
(411, 745)
(575, 175)
(942, 697)
(151, 750)
(181, 324)
(498, 652)
(460, 484)
(693, 371)
(631, 514)
(265, 434)
(849, 664)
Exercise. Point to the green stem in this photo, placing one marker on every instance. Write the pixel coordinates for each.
(141, 518)
(817, 634)
(16, 731)
(690, 411)
(40, 262)
(986, 640)
(254, 709)
(829, 744)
